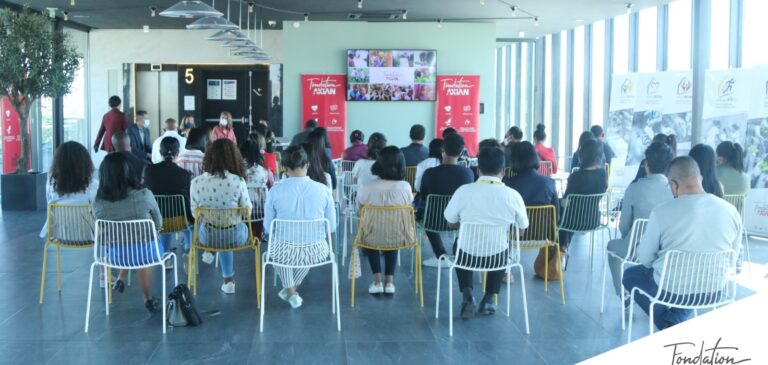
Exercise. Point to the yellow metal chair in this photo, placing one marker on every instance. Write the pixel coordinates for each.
(69, 226)
(174, 212)
(542, 233)
(388, 229)
(410, 176)
(222, 238)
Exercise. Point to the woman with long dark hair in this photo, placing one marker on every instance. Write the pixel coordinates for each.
(257, 177)
(319, 156)
(191, 158)
(584, 137)
(705, 158)
(361, 172)
(121, 198)
(730, 168)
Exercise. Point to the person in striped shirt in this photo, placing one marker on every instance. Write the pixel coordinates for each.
(192, 158)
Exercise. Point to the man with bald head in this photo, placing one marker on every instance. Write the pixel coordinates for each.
(692, 222)
(121, 142)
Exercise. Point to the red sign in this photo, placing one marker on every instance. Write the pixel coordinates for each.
(323, 99)
(458, 107)
(11, 136)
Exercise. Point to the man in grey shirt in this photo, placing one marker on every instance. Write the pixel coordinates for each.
(640, 198)
(692, 222)
(302, 136)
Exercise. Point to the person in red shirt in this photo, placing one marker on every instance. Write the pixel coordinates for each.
(113, 121)
(545, 153)
(270, 159)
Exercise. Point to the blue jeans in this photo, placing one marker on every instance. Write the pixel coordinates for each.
(238, 235)
(166, 239)
(642, 277)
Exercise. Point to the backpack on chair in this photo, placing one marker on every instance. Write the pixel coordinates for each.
(182, 310)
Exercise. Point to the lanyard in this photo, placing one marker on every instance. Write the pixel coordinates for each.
(491, 182)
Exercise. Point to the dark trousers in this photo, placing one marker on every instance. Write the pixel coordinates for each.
(493, 280)
(642, 277)
(390, 261)
(437, 243)
(564, 240)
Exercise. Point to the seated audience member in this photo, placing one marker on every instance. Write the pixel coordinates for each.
(297, 197)
(301, 137)
(588, 180)
(167, 178)
(545, 153)
(389, 190)
(443, 180)
(358, 150)
(536, 189)
(434, 159)
(576, 160)
(171, 130)
(464, 154)
(693, 222)
(492, 143)
(222, 186)
(599, 134)
(121, 142)
(730, 168)
(257, 177)
(513, 135)
(187, 123)
(640, 199)
(704, 156)
(320, 157)
(416, 151)
(487, 201)
(320, 135)
(139, 134)
(225, 129)
(268, 158)
(262, 128)
(191, 159)
(120, 197)
(315, 170)
(669, 140)
(361, 172)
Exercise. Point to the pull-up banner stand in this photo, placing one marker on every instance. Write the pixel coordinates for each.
(458, 107)
(323, 99)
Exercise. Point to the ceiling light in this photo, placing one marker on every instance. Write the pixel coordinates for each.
(514, 10)
(306, 17)
(482, 2)
(536, 21)
(405, 14)
(228, 35)
(66, 15)
(152, 11)
(579, 20)
(629, 8)
(212, 22)
(190, 9)
(521, 34)
(232, 44)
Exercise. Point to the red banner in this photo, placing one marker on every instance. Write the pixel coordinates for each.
(11, 136)
(323, 99)
(458, 107)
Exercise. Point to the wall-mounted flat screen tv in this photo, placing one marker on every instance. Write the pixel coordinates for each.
(391, 75)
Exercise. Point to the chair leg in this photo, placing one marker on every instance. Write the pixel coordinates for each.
(525, 301)
(450, 304)
(509, 288)
(257, 262)
(190, 267)
(591, 249)
(749, 255)
(175, 272)
(546, 269)
(58, 267)
(42, 280)
(562, 278)
(631, 312)
(352, 266)
(108, 289)
(623, 295)
(336, 296)
(421, 277)
(602, 287)
(344, 241)
(650, 318)
(263, 305)
(437, 297)
(88, 304)
(162, 269)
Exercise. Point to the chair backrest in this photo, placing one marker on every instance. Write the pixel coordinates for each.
(582, 212)
(508, 172)
(410, 176)
(348, 190)
(223, 227)
(635, 234)
(387, 228)
(614, 198)
(545, 168)
(174, 212)
(258, 200)
(485, 247)
(127, 244)
(465, 163)
(542, 224)
(433, 220)
(300, 243)
(698, 278)
(70, 224)
(738, 201)
(347, 165)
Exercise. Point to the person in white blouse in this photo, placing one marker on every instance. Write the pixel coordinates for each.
(222, 186)
(434, 159)
(191, 157)
(171, 130)
(361, 172)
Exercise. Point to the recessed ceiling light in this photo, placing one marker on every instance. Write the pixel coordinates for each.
(579, 20)
(521, 34)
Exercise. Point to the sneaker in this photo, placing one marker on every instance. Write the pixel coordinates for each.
(389, 289)
(376, 288)
(295, 301)
(468, 305)
(487, 306)
(283, 294)
(208, 257)
(228, 287)
(119, 286)
(152, 304)
(432, 262)
(508, 278)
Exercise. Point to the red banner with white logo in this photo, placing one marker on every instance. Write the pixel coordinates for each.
(11, 136)
(458, 107)
(323, 99)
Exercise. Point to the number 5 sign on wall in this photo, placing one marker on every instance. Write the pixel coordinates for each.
(189, 76)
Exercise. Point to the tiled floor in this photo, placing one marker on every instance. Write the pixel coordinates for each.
(377, 331)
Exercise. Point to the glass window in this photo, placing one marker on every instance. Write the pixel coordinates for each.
(598, 73)
(754, 51)
(679, 28)
(524, 69)
(548, 83)
(501, 86)
(563, 76)
(577, 122)
(512, 81)
(621, 44)
(721, 12)
(646, 58)
(75, 103)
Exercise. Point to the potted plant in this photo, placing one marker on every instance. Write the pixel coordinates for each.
(35, 61)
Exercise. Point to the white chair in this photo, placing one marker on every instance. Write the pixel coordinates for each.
(346, 165)
(739, 201)
(635, 234)
(349, 209)
(692, 280)
(301, 245)
(610, 208)
(127, 245)
(484, 242)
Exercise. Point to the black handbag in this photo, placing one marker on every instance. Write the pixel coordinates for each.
(182, 310)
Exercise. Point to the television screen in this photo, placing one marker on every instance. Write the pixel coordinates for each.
(391, 75)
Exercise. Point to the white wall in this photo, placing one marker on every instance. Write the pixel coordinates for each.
(110, 49)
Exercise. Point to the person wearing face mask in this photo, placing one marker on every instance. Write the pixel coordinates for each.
(171, 130)
(187, 123)
(692, 222)
(139, 133)
(225, 129)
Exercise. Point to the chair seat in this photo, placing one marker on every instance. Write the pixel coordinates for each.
(529, 245)
(68, 243)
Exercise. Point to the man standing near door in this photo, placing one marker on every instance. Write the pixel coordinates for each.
(113, 121)
(139, 133)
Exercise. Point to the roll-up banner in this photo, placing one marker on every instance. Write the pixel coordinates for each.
(757, 154)
(458, 107)
(323, 99)
(11, 136)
